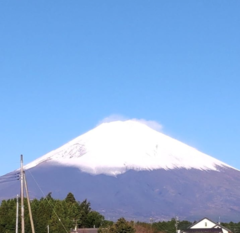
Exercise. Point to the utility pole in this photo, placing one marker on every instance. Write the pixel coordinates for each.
(24, 184)
(151, 221)
(176, 223)
(22, 197)
(17, 207)
(28, 201)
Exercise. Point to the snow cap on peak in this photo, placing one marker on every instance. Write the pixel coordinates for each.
(115, 147)
(113, 118)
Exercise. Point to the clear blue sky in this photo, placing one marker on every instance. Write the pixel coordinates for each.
(66, 65)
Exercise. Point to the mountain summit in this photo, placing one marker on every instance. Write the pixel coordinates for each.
(128, 169)
(116, 147)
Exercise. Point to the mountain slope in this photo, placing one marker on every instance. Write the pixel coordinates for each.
(127, 169)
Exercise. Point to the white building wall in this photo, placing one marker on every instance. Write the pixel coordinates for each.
(224, 231)
(205, 223)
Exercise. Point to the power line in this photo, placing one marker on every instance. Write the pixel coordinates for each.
(9, 175)
(6, 181)
(48, 202)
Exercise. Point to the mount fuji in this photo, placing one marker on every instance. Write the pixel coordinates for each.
(125, 168)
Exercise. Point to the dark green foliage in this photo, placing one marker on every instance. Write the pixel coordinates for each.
(184, 225)
(94, 219)
(234, 227)
(121, 226)
(49, 196)
(107, 223)
(61, 216)
(170, 226)
(84, 211)
(8, 209)
(70, 198)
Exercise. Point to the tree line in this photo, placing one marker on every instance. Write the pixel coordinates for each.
(63, 215)
(60, 215)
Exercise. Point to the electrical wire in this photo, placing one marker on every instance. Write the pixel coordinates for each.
(48, 201)
(9, 176)
(6, 181)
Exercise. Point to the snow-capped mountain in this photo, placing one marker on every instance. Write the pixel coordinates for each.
(113, 148)
(125, 168)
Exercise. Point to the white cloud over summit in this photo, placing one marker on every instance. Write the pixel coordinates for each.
(115, 117)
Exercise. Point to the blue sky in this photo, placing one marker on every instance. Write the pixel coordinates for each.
(67, 65)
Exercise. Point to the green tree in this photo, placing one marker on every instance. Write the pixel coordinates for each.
(184, 225)
(70, 198)
(122, 226)
(84, 211)
(8, 215)
(59, 221)
(49, 196)
(94, 219)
